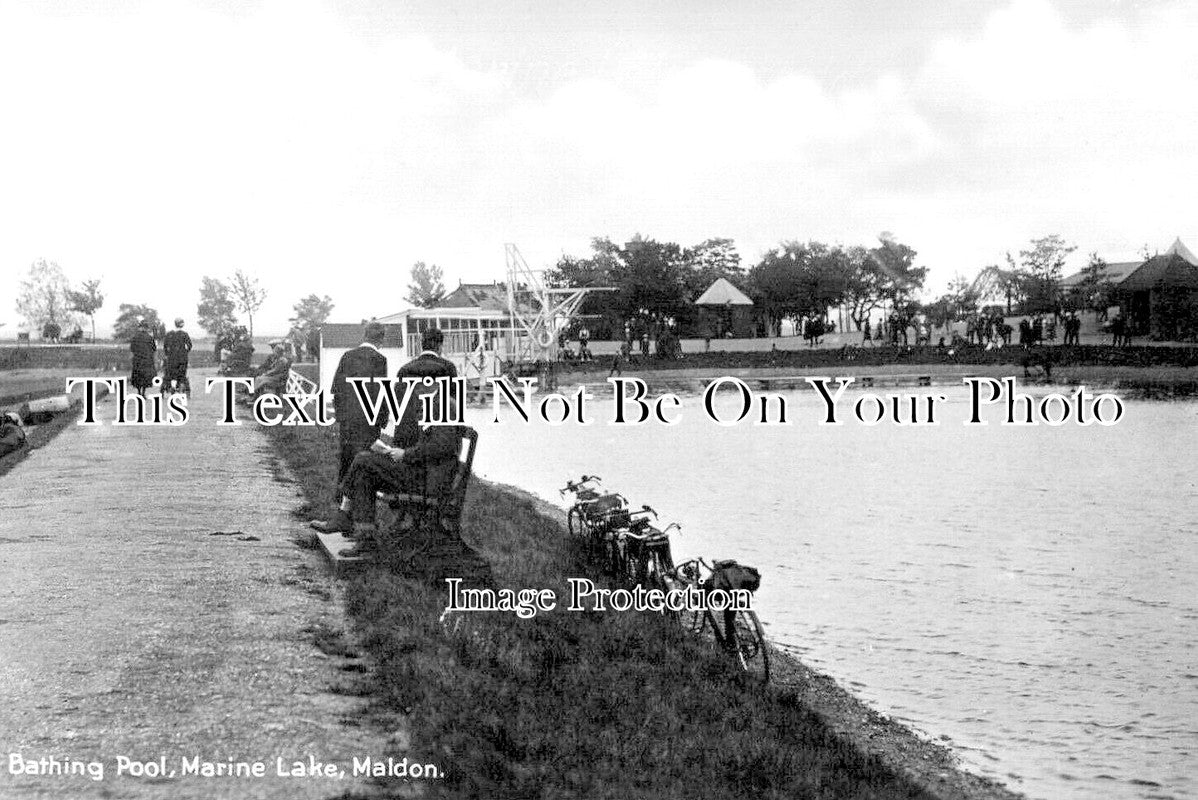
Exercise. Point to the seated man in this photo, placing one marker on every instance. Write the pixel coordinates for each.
(12, 434)
(425, 468)
(272, 375)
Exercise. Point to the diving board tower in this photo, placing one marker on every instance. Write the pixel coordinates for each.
(539, 312)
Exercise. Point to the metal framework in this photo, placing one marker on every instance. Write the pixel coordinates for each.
(537, 310)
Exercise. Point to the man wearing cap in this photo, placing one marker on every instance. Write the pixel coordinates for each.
(428, 364)
(12, 434)
(272, 375)
(176, 349)
(355, 431)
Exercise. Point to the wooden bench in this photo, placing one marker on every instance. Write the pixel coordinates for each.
(445, 508)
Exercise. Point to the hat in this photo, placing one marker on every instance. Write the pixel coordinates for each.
(278, 342)
(178, 322)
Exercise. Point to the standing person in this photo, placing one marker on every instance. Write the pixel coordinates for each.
(428, 364)
(354, 431)
(143, 348)
(176, 349)
(584, 337)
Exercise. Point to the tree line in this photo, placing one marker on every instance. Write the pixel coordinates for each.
(51, 305)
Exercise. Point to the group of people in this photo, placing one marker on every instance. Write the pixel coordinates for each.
(176, 352)
(418, 459)
(235, 348)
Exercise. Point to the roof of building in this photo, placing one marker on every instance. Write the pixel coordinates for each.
(488, 296)
(1113, 272)
(1174, 267)
(339, 334)
(722, 293)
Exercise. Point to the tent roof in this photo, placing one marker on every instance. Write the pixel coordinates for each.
(1179, 249)
(721, 293)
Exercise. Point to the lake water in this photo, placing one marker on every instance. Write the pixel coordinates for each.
(1028, 596)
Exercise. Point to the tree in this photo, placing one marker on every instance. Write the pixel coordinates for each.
(130, 316)
(310, 313)
(426, 288)
(248, 294)
(87, 301)
(1039, 273)
(1095, 291)
(214, 313)
(866, 285)
(709, 261)
(798, 280)
(899, 278)
(42, 296)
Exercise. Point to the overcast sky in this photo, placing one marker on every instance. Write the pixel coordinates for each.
(326, 146)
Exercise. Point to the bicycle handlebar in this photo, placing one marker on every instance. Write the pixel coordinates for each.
(574, 486)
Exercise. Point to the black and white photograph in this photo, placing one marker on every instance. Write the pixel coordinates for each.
(532, 400)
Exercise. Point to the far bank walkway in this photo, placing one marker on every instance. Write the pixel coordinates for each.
(127, 628)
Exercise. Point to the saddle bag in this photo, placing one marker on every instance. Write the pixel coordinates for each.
(728, 575)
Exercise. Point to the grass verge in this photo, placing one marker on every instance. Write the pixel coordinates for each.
(571, 704)
(40, 435)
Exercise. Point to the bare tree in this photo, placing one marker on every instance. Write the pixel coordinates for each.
(87, 300)
(42, 297)
(248, 294)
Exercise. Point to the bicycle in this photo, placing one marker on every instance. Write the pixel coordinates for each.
(737, 632)
(595, 513)
(641, 552)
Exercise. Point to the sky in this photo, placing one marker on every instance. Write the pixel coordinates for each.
(325, 147)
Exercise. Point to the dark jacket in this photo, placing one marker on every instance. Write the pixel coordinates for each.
(12, 437)
(176, 347)
(435, 452)
(429, 365)
(361, 362)
(143, 347)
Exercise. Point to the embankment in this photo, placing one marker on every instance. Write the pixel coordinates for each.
(585, 704)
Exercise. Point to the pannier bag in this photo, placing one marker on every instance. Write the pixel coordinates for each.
(728, 575)
(604, 504)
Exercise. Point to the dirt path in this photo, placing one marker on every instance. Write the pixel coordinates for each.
(153, 606)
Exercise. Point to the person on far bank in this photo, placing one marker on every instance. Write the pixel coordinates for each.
(176, 350)
(354, 431)
(143, 347)
(428, 364)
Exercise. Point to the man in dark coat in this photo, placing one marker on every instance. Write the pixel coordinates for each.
(354, 430)
(176, 349)
(428, 364)
(143, 348)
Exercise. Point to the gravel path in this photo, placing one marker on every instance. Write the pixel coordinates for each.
(153, 606)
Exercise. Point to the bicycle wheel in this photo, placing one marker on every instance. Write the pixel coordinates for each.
(659, 567)
(744, 640)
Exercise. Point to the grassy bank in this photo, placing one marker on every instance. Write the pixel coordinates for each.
(40, 435)
(572, 704)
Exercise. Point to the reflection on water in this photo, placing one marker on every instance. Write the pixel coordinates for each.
(1028, 595)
